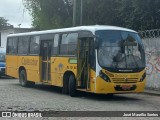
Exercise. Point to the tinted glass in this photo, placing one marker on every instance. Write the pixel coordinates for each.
(12, 45)
(68, 44)
(34, 45)
(120, 49)
(23, 45)
(55, 45)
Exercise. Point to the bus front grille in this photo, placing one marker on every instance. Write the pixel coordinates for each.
(124, 80)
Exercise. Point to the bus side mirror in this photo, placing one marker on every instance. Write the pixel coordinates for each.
(96, 43)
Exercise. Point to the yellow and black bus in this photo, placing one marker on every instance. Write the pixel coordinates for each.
(96, 59)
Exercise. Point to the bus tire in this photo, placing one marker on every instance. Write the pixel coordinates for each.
(72, 86)
(65, 88)
(65, 85)
(23, 79)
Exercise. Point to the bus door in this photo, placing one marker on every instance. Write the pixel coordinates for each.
(84, 63)
(46, 56)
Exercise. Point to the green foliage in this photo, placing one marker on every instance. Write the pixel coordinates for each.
(140, 14)
(100, 12)
(134, 14)
(147, 14)
(3, 23)
(49, 14)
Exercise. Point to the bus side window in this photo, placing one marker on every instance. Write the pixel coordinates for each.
(23, 45)
(15, 41)
(9, 45)
(72, 43)
(55, 45)
(12, 45)
(68, 44)
(34, 45)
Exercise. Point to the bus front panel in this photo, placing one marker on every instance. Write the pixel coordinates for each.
(108, 82)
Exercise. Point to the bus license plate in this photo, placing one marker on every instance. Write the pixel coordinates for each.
(126, 87)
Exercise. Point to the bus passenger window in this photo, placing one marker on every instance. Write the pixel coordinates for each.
(55, 45)
(12, 46)
(9, 45)
(34, 45)
(23, 45)
(68, 44)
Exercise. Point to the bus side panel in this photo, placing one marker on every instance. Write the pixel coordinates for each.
(59, 65)
(32, 67)
(11, 66)
(92, 80)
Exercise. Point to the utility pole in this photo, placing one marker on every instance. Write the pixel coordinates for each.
(74, 12)
(81, 20)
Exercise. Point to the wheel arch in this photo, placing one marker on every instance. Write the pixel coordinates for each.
(67, 75)
(21, 68)
(65, 84)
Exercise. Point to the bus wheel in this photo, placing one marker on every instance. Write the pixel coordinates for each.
(23, 79)
(72, 86)
(65, 84)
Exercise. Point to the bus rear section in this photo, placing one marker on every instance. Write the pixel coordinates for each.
(2, 61)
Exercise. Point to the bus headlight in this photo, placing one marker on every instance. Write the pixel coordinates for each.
(104, 76)
(143, 77)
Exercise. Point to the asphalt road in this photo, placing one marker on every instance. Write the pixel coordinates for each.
(14, 97)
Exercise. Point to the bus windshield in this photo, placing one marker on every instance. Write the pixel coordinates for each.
(2, 57)
(120, 50)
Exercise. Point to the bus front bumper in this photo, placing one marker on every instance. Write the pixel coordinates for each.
(103, 87)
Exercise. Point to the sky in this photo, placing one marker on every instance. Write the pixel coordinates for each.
(15, 13)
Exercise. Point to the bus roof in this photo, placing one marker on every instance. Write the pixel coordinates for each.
(92, 28)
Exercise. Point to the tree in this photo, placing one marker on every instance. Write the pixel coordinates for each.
(134, 14)
(3, 23)
(147, 13)
(49, 14)
(139, 14)
(99, 12)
